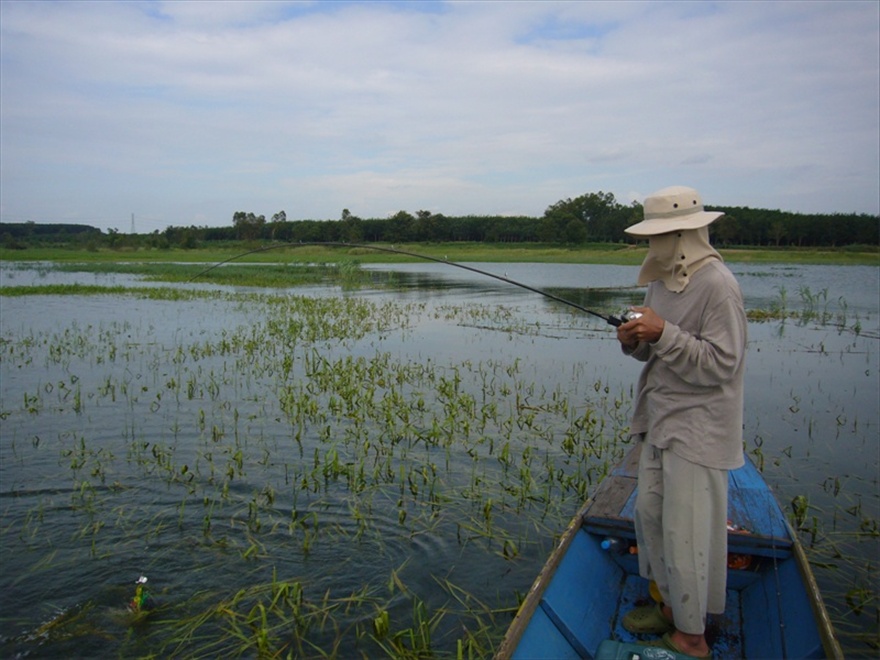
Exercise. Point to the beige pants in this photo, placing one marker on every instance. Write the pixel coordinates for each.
(681, 528)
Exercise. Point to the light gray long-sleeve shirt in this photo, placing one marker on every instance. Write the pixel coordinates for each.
(690, 392)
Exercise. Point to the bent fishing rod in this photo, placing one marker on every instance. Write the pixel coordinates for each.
(610, 319)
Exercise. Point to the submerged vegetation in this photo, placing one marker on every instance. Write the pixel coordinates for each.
(266, 444)
(814, 307)
(294, 487)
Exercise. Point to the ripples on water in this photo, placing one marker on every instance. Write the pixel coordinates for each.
(133, 442)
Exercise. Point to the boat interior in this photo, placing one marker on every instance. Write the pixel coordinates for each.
(770, 611)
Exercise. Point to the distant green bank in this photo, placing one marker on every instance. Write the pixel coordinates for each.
(601, 253)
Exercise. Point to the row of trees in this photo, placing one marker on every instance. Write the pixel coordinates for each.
(590, 218)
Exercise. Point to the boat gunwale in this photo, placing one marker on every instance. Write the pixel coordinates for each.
(830, 643)
(532, 601)
(536, 592)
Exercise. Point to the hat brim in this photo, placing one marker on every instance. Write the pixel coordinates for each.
(655, 226)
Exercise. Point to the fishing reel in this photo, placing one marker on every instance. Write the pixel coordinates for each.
(626, 317)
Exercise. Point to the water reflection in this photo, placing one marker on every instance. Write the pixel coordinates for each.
(811, 400)
(609, 301)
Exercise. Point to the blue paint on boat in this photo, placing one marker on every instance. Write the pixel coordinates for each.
(773, 609)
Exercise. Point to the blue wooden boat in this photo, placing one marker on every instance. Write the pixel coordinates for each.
(773, 610)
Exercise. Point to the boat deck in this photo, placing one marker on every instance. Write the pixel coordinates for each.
(578, 600)
(583, 623)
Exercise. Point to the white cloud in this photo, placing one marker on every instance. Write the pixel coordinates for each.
(187, 112)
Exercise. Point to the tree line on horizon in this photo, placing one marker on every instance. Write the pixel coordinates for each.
(589, 218)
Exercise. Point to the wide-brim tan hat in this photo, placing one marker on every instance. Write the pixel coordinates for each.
(673, 209)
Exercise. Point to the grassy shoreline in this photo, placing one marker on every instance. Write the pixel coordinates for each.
(463, 252)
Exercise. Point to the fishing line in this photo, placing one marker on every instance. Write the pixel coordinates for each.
(610, 319)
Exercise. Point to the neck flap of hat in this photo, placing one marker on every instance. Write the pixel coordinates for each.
(674, 257)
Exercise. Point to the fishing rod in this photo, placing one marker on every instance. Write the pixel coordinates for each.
(610, 319)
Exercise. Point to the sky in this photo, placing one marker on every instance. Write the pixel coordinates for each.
(148, 114)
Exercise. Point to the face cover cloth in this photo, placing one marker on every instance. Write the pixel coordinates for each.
(674, 257)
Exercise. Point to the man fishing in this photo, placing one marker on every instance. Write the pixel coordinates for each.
(688, 415)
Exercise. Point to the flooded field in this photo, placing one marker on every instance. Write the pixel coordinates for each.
(377, 470)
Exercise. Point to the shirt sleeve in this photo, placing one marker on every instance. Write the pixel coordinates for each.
(711, 357)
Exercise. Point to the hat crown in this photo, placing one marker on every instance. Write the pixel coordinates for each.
(671, 202)
(677, 208)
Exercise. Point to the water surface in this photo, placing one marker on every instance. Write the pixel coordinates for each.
(421, 454)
